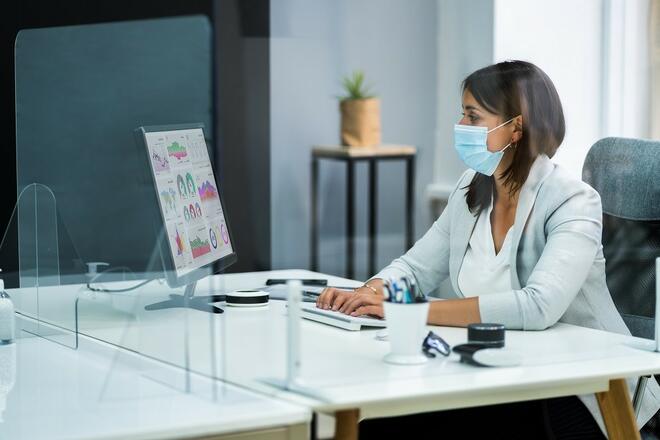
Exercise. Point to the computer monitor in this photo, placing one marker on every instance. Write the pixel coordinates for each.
(194, 233)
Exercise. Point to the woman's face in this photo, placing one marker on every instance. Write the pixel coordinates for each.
(475, 114)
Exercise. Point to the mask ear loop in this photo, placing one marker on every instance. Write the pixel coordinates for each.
(502, 125)
(515, 144)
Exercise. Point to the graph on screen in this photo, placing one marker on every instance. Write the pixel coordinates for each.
(179, 241)
(168, 201)
(159, 161)
(189, 198)
(199, 246)
(207, 191)
(177, 151)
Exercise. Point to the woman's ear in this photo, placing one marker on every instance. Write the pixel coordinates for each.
(517, 129)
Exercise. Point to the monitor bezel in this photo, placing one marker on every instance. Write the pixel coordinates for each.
(160, 228)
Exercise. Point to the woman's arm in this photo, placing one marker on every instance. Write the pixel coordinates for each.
(454, 312)
(427, 262)
(451, 312)
(573, 234)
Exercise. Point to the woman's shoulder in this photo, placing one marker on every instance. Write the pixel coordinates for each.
(563, 190)
(462, 184)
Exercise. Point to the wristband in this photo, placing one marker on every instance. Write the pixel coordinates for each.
(370, 287)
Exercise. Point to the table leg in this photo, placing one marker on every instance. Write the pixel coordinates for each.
(410, 200)
(314, 236)
(617, 411)
(373, 215)
(350, 217)
(346, 424)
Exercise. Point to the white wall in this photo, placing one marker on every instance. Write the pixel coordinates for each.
(314, 43)
(626, 68)
(562, 37)
(416, 52)
(595, 51)
(465, 33)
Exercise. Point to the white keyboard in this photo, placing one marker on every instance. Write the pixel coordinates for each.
(338, 319)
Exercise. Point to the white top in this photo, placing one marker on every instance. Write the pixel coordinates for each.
(482, 270)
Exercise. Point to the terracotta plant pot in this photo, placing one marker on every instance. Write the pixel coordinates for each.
(360, 122)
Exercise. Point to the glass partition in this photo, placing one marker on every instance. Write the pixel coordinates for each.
(49, 309)
(87, 231)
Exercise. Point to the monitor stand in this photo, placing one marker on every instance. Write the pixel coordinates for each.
(189, 301)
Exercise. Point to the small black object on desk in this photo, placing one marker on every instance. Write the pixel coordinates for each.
(485, 347)
(303, 281)
(486, 335)
(435, 342)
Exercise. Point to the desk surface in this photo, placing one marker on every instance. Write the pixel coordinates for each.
(101, 392)
(345, 369)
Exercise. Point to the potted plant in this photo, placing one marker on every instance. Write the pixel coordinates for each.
(360, 113)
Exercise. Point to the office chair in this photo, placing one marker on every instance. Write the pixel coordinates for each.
(626, 174)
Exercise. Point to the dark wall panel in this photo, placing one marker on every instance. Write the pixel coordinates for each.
(243, 111)
(240, 108)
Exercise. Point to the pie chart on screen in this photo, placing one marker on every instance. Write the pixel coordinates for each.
(224, 234)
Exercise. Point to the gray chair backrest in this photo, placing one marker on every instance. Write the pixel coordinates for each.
(626, 174)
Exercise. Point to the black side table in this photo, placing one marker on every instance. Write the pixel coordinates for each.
(351, 155)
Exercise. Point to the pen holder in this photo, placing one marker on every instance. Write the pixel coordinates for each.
(406, 329)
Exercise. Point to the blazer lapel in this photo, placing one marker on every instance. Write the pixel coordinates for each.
(463, 223)
(460, 234)
(541, 169)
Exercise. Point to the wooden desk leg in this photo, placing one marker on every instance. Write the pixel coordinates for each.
(617, 411)
(346, 424)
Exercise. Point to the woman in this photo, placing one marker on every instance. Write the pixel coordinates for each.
(520, 239)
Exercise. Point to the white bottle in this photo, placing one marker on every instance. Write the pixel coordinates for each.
(7, 325)
(7, 374)
(294, 305)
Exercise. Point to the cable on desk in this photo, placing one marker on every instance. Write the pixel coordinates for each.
(115, 269)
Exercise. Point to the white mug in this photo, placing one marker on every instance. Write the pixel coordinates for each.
(406, 329)
(7, 324)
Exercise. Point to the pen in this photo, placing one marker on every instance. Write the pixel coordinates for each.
(387, 294)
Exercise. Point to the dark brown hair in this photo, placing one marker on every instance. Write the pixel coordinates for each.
(509, 89)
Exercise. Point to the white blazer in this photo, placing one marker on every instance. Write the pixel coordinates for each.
(556, 260)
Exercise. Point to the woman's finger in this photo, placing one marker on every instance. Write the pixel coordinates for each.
(331, 296)
(325, 299)
(349, 302)
(340, 300)
(375, 310)
(359, 300)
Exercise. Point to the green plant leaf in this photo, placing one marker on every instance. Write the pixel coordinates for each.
(354, 86)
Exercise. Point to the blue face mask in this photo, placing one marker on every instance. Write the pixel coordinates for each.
(470, 144)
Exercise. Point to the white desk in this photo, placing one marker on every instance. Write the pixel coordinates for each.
(248, 346)
(100, 392)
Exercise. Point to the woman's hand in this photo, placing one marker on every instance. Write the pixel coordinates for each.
(363, 302)
(333, 298)
(359, 302)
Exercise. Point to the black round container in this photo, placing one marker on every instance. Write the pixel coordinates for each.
(488, 335)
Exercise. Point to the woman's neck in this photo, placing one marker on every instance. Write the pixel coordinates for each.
(503, 194)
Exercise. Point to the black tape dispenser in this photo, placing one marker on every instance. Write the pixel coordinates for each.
(485, 347)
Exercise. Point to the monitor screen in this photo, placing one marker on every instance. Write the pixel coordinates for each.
(189, 198)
